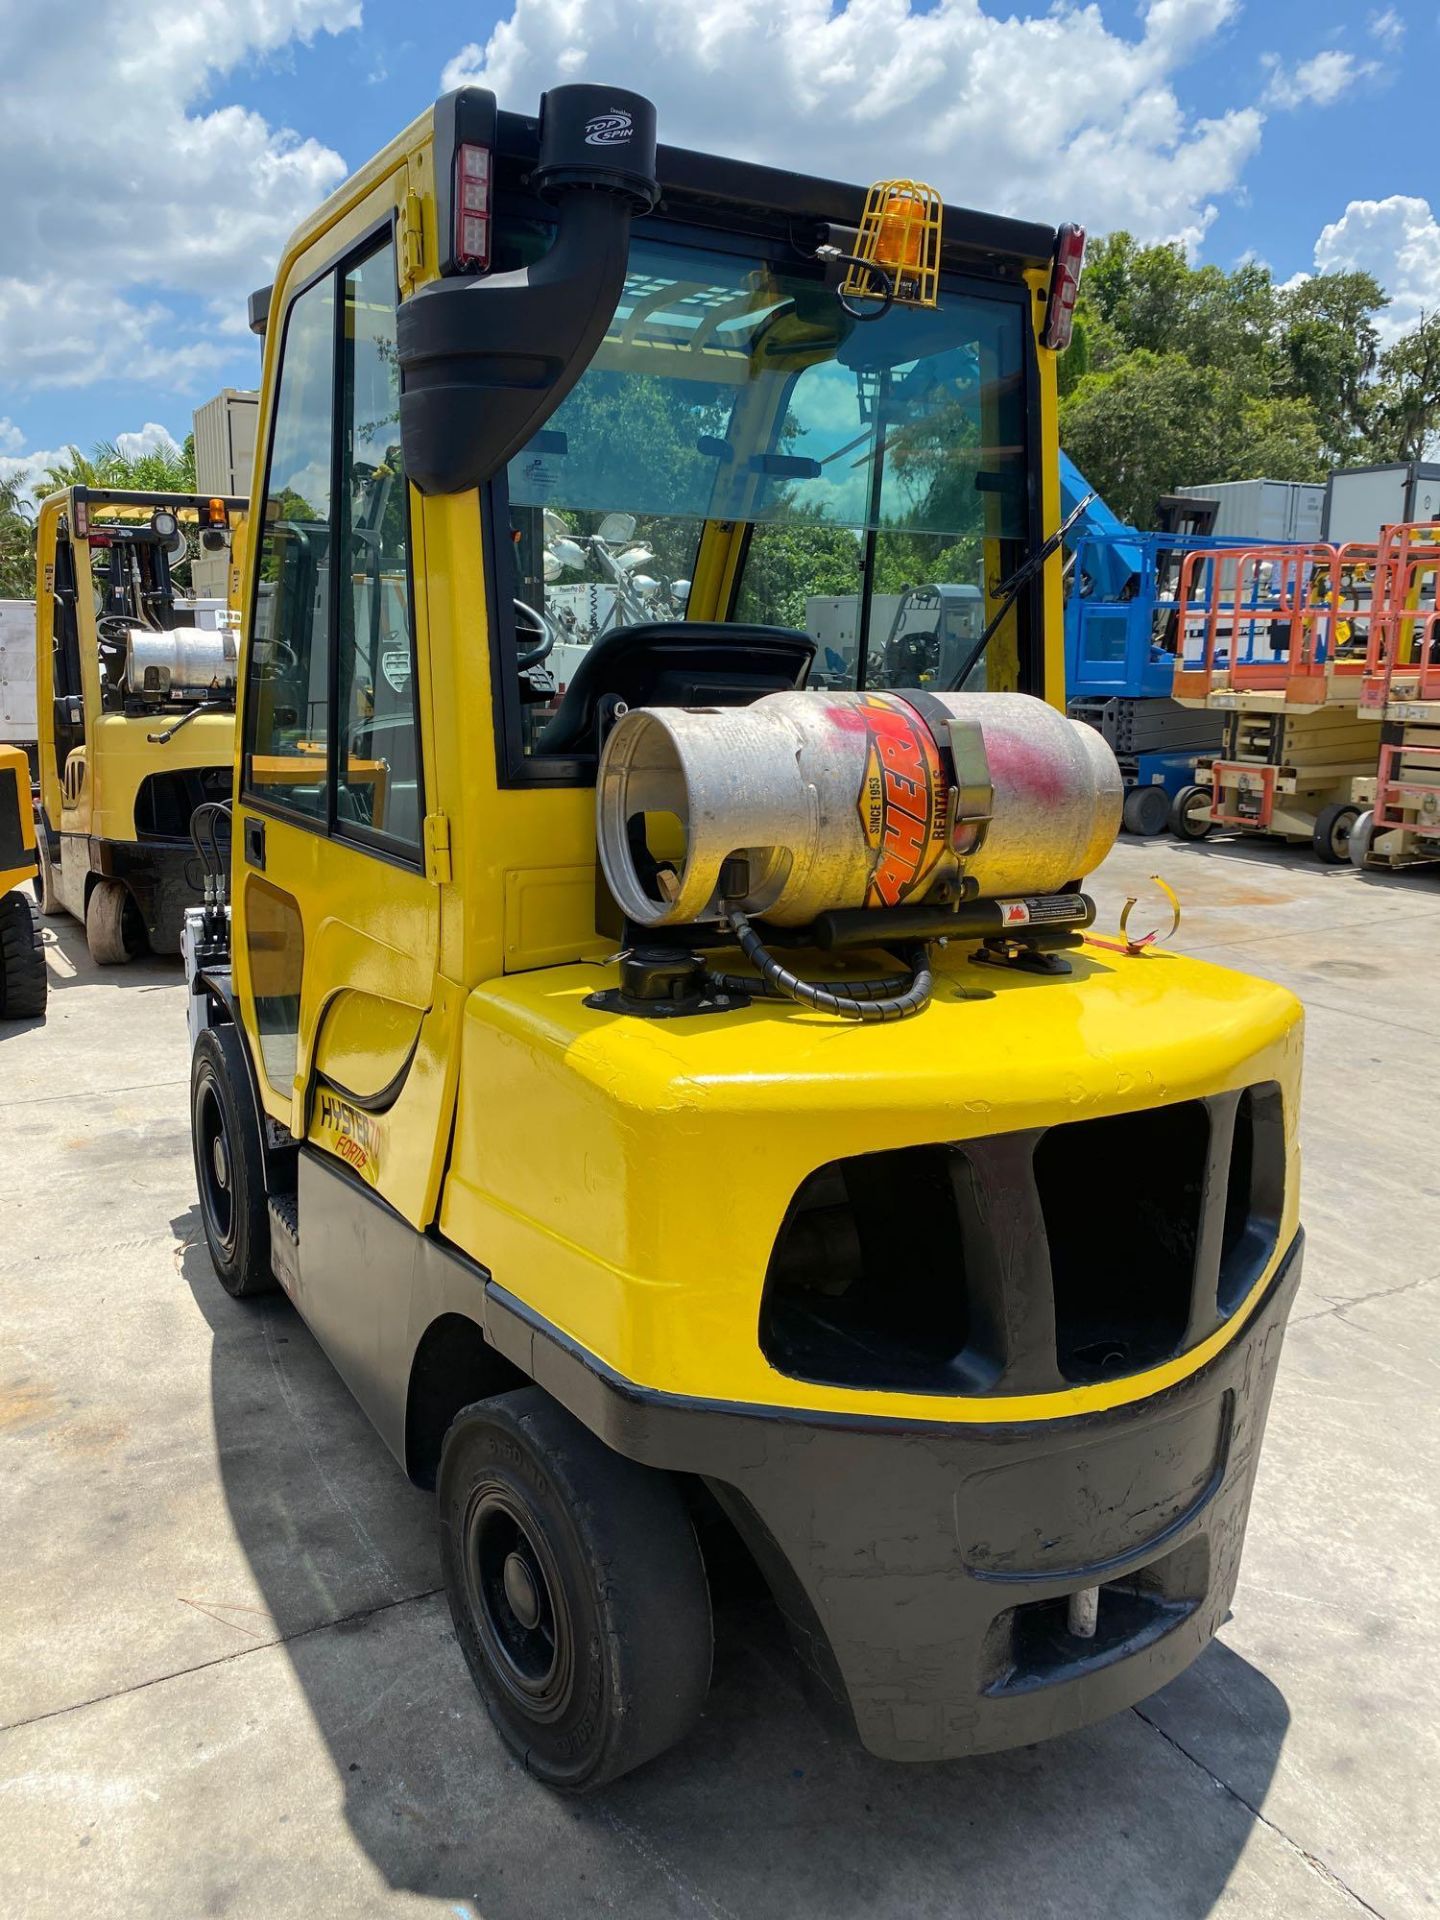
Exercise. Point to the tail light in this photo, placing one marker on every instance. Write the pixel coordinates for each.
(1064, 287)
(472, 208)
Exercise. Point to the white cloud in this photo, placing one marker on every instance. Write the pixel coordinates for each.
(1398, 240)
(28, 467)
(1318, 82)
(127, 188)
(151, 438)
(1053, 117)
(1387, 29)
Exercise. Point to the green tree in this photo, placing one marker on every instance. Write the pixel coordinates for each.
(157, 470)
(1329, 346)
(1158, 421)
(17, 542)
(1403, 405)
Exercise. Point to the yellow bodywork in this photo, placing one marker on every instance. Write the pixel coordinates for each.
(626, 1178)
(15, 776)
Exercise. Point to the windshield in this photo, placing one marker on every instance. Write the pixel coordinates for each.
(877, 464)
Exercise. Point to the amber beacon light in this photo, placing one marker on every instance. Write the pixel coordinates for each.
(900, 235)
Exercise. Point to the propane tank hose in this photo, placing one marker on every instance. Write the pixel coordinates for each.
(895, 997)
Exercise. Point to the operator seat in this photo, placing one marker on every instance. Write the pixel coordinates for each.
(673, 663)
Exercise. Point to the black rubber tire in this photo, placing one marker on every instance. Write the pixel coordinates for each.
(1331, 837)
(47, 899)
(1146, 810)
(114, 930)
(229, 1165)
(1190, 813)
(23, 981)
(615, 1665)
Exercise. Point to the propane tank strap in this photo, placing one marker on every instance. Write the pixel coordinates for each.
(967, 769)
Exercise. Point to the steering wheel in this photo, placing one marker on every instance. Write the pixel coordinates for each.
(910, 656)
(530, 619)
(112, 634)
(279, 660)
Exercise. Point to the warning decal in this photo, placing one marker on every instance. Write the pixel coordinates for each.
(902, 801)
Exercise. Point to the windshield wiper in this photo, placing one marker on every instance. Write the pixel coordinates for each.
(1010, 593)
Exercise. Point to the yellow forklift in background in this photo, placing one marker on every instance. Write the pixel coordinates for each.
(22, 958)
(696, 1105)
(135, 699)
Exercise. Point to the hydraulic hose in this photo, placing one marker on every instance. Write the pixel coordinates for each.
(865, 1000)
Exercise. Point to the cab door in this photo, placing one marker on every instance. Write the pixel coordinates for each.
(336, 922)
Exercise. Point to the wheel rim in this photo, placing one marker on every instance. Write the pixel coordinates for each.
(1340, 836)
(517, 1602)
(216, 1162)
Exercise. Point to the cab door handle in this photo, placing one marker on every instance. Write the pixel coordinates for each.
(254, 842)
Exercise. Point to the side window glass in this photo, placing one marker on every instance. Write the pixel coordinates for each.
(287, 705)
(377, 764)
(275, 938)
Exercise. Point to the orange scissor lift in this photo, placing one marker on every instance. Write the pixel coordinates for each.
(1276, 640)
(1401, 689)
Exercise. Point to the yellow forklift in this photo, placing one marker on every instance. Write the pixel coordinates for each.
(698, 1106)
(22, 959)
(135, 699)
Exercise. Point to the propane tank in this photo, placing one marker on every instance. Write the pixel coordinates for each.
(822, 801)
(179, 660)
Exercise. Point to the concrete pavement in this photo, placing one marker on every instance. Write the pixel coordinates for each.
(227, 1680)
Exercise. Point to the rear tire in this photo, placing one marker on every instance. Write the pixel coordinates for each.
(1190, 813)
(114, 931)
(46, 897)
(229, 1165)
(1146, 810)
(1331, 838)
(577, 1590)
(23, 983)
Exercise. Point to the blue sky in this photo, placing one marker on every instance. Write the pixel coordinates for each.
(146, 194)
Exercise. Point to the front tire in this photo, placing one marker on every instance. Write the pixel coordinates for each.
(114, 931)
(577, 1590)
(23, 983)
(1190, 813)
(229, 1165)
(1331, 837)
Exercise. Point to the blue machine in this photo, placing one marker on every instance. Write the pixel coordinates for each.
(1121, 615)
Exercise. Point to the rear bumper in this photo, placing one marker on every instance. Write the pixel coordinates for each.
(925, 1568)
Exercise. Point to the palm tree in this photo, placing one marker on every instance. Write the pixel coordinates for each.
(17, 542)
(157, 470)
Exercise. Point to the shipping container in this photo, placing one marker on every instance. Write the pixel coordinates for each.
(18, 726)
(1265, 510)
(1359, 501)
(225, 442)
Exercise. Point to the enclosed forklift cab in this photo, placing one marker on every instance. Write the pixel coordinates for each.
(643, 1209)
(135, 681)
